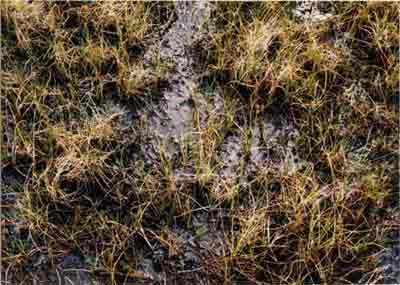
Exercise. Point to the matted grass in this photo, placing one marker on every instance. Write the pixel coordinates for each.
(289, 175)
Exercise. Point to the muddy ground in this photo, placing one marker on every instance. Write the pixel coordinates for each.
(163, 125)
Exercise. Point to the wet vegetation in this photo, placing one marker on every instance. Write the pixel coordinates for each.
(199, 142)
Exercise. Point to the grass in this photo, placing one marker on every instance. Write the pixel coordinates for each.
(312, 200)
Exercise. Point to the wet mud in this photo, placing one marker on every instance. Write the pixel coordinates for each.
(313, 11)
(389, 261)
(272, 144)
(199, 241)
(172, 117)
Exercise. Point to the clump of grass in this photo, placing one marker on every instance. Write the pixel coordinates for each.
(135, 80)
(80, 160)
